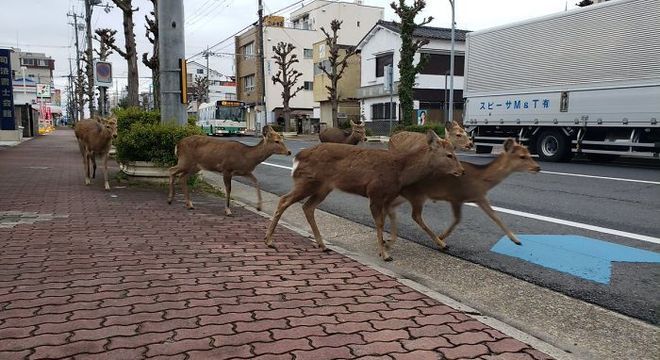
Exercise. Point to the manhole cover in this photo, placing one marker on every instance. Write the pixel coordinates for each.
(9, 219)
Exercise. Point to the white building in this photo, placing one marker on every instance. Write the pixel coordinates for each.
(381, 47)
(303, 30)
(221, 87)
(29, 71)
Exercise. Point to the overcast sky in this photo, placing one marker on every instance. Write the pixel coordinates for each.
(42, 25)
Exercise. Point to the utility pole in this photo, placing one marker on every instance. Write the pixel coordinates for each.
(90, 57)
(71, 110)
(80, 111)
(451, 66)
(172, 46)
(262, 59)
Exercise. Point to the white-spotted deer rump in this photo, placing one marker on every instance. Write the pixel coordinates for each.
(373, 173)
(231, 158)
(95, 139)
(472, 187)
(354, 136)
(455, 134)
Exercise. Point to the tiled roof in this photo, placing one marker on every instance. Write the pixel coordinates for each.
(428, 32)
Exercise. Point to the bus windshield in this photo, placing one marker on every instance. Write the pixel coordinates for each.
(234, 113)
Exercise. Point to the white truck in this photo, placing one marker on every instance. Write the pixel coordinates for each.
(582, 81)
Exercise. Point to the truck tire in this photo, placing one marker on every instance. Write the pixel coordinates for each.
(553, 145)
(483, 149)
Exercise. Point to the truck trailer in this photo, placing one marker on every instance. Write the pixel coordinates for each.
(585, 81)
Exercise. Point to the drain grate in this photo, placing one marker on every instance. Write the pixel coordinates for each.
(9, 219)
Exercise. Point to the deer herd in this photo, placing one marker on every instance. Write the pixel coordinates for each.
(415, 167)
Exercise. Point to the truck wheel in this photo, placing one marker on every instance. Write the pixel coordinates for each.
(483, 149)
(553, 145)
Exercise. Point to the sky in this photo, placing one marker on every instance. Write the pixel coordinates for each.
(43, 25)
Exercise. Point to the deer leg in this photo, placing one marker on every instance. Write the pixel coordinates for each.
(174, 171)
(393, 229)
(256, 185)
(93, 159)
(226, 177)
(456, 210)
(308, 208)
(417, 207)
(378, 213)
(485, 206)
(186, 194)
(298, 193)
(105, 170)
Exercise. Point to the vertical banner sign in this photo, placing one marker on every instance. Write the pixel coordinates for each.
(184, 81)
(7, 121)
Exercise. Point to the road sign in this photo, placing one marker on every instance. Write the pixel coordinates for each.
(43, 90)
(579, 256)
(7, 121)
(103, 74)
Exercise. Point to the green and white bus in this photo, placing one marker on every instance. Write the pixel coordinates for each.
(225, 117)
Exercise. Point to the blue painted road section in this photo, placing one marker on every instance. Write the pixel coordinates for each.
(580, 256)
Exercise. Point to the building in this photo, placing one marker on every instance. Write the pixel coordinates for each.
(302, 30)
(381, 47)
(32, 72)
(347, 87)
(221, 87)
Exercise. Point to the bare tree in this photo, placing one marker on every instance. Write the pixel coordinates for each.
(337, 65)
(130, 51)
(152, 62)
(287, 76)
(103, 36)
(81, 90)
(199, 91)
(409, 47)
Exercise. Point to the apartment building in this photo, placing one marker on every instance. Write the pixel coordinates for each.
(32, 72)
(302, 30)
(381, 47)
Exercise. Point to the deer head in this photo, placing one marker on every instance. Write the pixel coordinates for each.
(518, 158)
(358, 131)
(274, 141)
(442, 155)
(110, 124)
(457, 135)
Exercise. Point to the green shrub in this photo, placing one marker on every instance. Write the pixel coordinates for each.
(152, 142)
(439, 129)
(129, 116)
(192, 120)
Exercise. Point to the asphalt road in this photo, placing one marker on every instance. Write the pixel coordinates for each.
(616, 203)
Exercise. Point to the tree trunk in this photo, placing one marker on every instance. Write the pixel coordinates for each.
(131, 52)
(155, 81)
(287, 116)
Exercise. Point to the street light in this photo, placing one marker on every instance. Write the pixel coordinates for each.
(23, 68)
(451, 66)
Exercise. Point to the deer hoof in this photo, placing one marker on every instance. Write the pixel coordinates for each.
(325, 249)
(258, 208)
(169, 201)
(228, 212)
(107, 187)
(388, 258)
(87, 181)
(190, 207)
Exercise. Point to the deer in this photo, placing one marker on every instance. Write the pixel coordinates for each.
(352, 137)
(472, 187)
(454, 133)
(377, 174)
(231, 158)
(95, 139)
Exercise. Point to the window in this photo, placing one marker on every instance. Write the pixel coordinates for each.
(382, 111)
(200, 71)
(248, 50)
(308, 53)
(248, 83)
(381, 62)
(438, 64)
(25, 61)
(42, 62)
(308, 85)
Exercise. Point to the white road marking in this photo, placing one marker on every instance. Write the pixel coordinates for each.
(601, 177)
(549, 219)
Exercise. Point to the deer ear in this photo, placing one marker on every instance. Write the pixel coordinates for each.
(352, 123)
(431, 137)
(508, 144)
(266, 129)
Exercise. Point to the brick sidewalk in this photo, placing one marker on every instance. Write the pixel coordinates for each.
(90, 274)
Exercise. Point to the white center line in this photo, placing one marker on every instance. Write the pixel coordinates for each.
(549, 219)
(600, 177)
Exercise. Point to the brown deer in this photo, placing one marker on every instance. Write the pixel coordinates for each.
(373, 173)
(455, 134)
(352, 137)
(95, 139)
(472, 187)
(231, 158)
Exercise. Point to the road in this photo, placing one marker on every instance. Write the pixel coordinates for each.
(588, 223)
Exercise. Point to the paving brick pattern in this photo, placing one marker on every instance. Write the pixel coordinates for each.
(122, 275)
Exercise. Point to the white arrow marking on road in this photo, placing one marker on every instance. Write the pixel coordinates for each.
(575, 224)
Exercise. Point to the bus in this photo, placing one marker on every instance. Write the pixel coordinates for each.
(225, 117)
